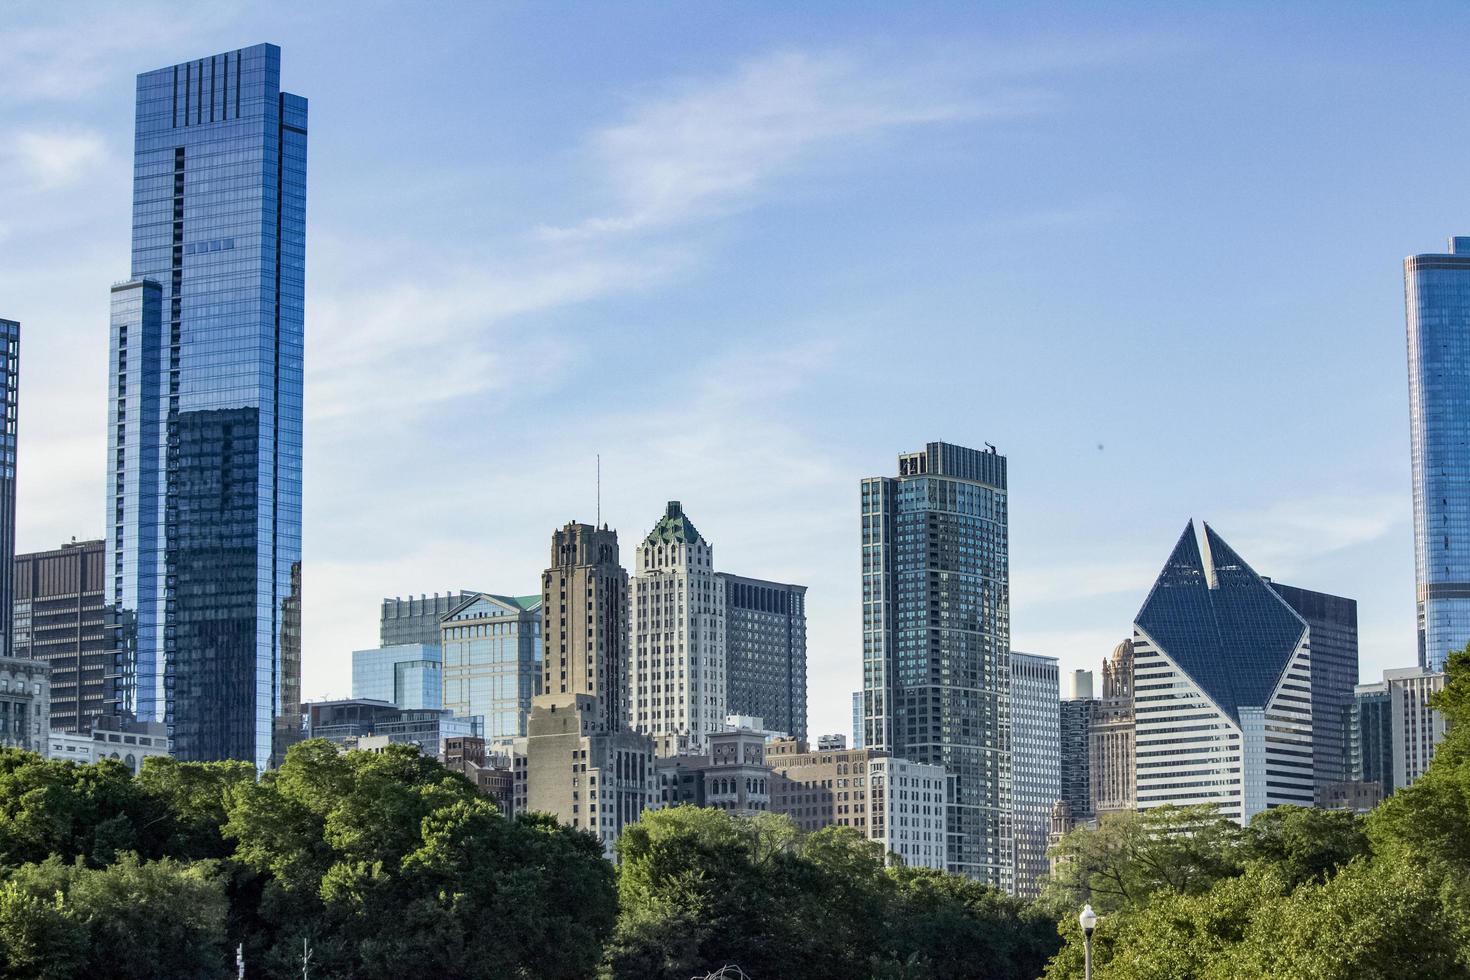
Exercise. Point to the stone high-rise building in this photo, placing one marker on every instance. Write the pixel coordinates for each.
(61, 620)
(678, 665)
(1417, 728)
(937, 635)
(581, 761)
(1111, 741)
(205, 410)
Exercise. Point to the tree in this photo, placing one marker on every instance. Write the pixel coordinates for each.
(1132, 855)
(1305, 844)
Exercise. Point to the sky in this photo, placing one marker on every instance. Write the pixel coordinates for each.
(749, 253)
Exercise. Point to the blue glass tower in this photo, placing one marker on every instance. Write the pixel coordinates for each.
(937, 638)
(1437, 304)
(205, 406)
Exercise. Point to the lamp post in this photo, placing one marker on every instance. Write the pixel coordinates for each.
(1088, 921)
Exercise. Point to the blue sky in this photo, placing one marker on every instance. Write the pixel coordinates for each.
(751, 252)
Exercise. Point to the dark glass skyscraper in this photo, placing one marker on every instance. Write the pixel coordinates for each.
(9, 409)
(765, 652)
(936, 639)
(1333, 621)
(205, 405)
(1437, 305)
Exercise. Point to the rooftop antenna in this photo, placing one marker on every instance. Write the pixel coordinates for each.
(599, 490)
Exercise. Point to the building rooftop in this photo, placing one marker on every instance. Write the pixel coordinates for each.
(673, 527)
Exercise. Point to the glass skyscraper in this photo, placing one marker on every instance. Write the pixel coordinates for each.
(492, 660)
(1333, 621)
(1036, 762)
(205, 405)
(409, 675)
(9, 409)
(936, 639)
(1437, 304)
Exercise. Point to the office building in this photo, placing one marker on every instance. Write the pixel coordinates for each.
(1332, 622)
(1076, 719)
(1222, 687)
(492, 661)
(765, 651)
(1417, 728)
(831, 743)
(1372, 736)
(60, 619)
(417, 620)
(857, 719)
(580, 760)
(1036, 782)
(897, 803)
(25, 704)
(111, 737)
(733, 776)
(1356, 797)
(1437, 305)
(205, 411)
(1111, 744)
(410, 675)
(491, 773)
(936, 635)
(9, 420)
(362, 723)
(678, 668)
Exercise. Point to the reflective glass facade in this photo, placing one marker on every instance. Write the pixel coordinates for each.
(936, 639)
(409, 675)
(1036, 762)
(9, 410)
(492, 661)
(1332, 622)
(205, 406)
(1437, 302)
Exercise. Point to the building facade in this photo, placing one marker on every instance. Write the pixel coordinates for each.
(936, 639)
(765, 651)
(25, 704)
(1372, 736)
(1222, 687)
(9, 421)
(733, 777)
(60, 619)
(1417, 728)
(417, 620)
(857, 719)
(111, 737)
(205, 410)
(897, 803)
(492, 661)
(1076, 719)
(1437, 309)
(580, 760)
(361, 723)
(1036, 762)
(410, 675)
(1333, 624)
(679, 667)
(1112, 742)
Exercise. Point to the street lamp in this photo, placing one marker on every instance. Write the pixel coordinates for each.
(1088, 921)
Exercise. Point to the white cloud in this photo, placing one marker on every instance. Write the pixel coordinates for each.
(56, 158)
(712, 145)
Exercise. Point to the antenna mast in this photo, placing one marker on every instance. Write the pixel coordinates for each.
(599, 489)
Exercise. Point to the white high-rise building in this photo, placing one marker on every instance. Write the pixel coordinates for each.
(1036, 763)
(1417, 728)
(677, 670)
(1222, 687)
(906, 810)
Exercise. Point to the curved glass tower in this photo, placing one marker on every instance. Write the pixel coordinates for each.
(204, 436)
(1437, 303)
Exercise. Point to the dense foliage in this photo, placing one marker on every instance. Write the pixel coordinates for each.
(1297, 894)
(379, 865)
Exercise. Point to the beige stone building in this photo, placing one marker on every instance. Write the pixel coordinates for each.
(897, 803)
(581, 762)
(1111, 741)
(25, 704)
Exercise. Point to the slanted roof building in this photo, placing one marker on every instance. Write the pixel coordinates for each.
(1222, 686)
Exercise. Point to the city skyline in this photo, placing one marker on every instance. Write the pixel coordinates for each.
(780, 503)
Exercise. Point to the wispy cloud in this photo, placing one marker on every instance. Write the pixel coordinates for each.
(711, 146)
(49, 159)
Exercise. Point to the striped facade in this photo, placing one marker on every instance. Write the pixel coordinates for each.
(1222, 687)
